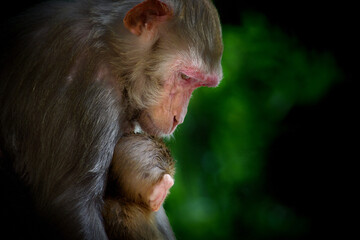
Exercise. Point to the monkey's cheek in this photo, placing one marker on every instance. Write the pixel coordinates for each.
(160, 191)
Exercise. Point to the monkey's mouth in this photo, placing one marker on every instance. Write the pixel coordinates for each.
(175, 123)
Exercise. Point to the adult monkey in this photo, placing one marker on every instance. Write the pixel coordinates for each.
(78, 75)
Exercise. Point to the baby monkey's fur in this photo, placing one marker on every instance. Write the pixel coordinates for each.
(139, 163)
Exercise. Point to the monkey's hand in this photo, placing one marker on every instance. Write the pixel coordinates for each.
(160, 191)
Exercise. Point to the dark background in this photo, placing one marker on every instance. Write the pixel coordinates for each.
(310, 163)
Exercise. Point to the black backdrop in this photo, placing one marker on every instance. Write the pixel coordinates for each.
(312, 163)
(321, 139)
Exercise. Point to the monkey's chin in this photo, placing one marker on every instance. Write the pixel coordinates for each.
(148, 125)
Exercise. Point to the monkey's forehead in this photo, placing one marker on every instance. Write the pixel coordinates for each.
(192, 61)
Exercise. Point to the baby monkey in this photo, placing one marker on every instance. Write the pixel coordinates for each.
(140, 176)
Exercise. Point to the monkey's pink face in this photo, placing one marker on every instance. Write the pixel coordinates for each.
(149, 22)
(163, 118)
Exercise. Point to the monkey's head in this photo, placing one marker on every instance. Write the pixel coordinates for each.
(178, 48)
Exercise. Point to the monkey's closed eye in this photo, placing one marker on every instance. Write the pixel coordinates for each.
(184, 76)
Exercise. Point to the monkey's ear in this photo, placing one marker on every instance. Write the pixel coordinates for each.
(146, 15)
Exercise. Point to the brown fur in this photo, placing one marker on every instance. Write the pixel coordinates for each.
(126, 211)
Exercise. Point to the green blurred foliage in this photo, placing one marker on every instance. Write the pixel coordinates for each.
(221, 147)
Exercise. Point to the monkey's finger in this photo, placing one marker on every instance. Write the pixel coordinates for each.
(160, 192)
